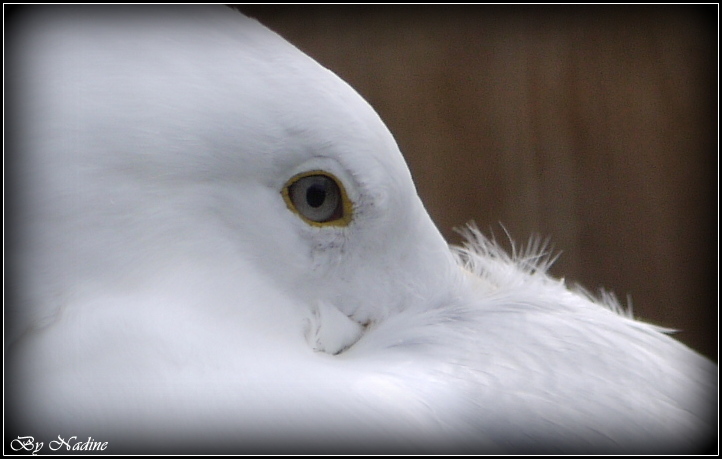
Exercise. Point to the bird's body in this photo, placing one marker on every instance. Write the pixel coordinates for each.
(173, 294)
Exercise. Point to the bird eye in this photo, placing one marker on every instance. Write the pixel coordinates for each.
(319, 198)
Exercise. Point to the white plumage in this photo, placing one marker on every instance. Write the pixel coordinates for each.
(175, 292)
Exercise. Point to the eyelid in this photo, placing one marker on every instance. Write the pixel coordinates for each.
(347, 205)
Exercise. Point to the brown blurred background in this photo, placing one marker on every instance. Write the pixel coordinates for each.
(593, 125)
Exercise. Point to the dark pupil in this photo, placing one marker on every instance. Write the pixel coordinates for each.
(315, 195)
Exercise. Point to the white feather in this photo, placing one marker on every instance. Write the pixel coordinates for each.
(169, 300)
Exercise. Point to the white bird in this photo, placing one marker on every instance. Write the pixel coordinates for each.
(219, 248)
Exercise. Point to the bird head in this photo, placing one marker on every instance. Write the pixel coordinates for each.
(163, 141)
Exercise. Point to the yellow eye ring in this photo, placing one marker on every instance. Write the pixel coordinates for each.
(319, 198)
